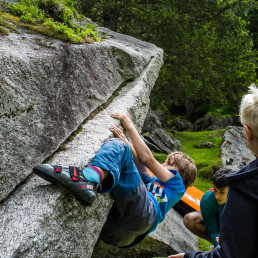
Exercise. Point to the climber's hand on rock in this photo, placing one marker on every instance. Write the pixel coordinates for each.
(118, 133)
(124, 119)
(177, 256)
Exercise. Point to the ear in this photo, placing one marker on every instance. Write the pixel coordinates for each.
(249, 133)
(170, 161)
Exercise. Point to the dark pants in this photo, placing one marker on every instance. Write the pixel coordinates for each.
(132, 213)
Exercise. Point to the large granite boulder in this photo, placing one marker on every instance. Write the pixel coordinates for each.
(235, 152)
(42, 220)
(151, 122)
(56, 101)
(49, 87)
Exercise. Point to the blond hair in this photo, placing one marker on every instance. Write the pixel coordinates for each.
(186, 167)
(249, 109)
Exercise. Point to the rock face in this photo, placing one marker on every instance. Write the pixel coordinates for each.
(210, 123)
(49, 87)
(235, 152)
(155, 137)
(181, 125)
(151, 122)
(51, 91)
(161, 140)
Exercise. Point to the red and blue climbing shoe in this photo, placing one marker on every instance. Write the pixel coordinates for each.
(71, 178)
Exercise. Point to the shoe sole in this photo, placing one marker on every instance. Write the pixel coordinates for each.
(56, 178)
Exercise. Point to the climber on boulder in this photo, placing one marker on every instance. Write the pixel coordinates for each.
(141, 198)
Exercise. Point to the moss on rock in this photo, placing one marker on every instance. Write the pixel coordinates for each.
(4, 31)
(6, 25)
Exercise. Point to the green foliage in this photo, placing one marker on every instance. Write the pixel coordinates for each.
(203, 184)
(28, 12)
(219, 109)
(59, 10)
(56, 16)
(163, 106)
(205, 245)
(3, 6)
(209, 57)
(74, 33)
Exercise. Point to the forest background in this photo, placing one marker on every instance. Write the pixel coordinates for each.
(210, 48)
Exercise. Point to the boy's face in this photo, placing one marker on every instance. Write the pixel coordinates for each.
(221, 194)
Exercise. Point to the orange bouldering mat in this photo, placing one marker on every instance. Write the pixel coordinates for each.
(190, 201)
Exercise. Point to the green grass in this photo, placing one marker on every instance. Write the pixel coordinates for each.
(160, 157)
(203, 184)
(204, 245)
(207, 160)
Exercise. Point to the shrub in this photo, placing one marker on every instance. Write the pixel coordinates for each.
(76, 33)
(28, 12)
(55, 15)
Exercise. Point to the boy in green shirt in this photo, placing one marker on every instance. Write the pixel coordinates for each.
(207, 223)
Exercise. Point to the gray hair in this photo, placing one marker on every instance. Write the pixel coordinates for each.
(249, 109)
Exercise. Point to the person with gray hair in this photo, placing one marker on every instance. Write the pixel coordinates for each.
(239, 222)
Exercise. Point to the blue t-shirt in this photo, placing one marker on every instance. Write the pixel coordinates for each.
(165, 195)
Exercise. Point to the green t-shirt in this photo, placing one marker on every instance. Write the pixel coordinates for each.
(211, 213)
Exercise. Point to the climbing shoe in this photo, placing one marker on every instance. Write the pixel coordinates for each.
(71, 178)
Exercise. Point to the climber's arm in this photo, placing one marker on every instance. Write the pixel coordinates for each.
(143, 152)
(143, 170)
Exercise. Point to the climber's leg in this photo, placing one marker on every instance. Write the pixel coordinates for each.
(132, 213)
(113, 158)
(129, 218)
(116, 158)
(71, 178)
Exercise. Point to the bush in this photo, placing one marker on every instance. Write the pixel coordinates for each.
(57, 16)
